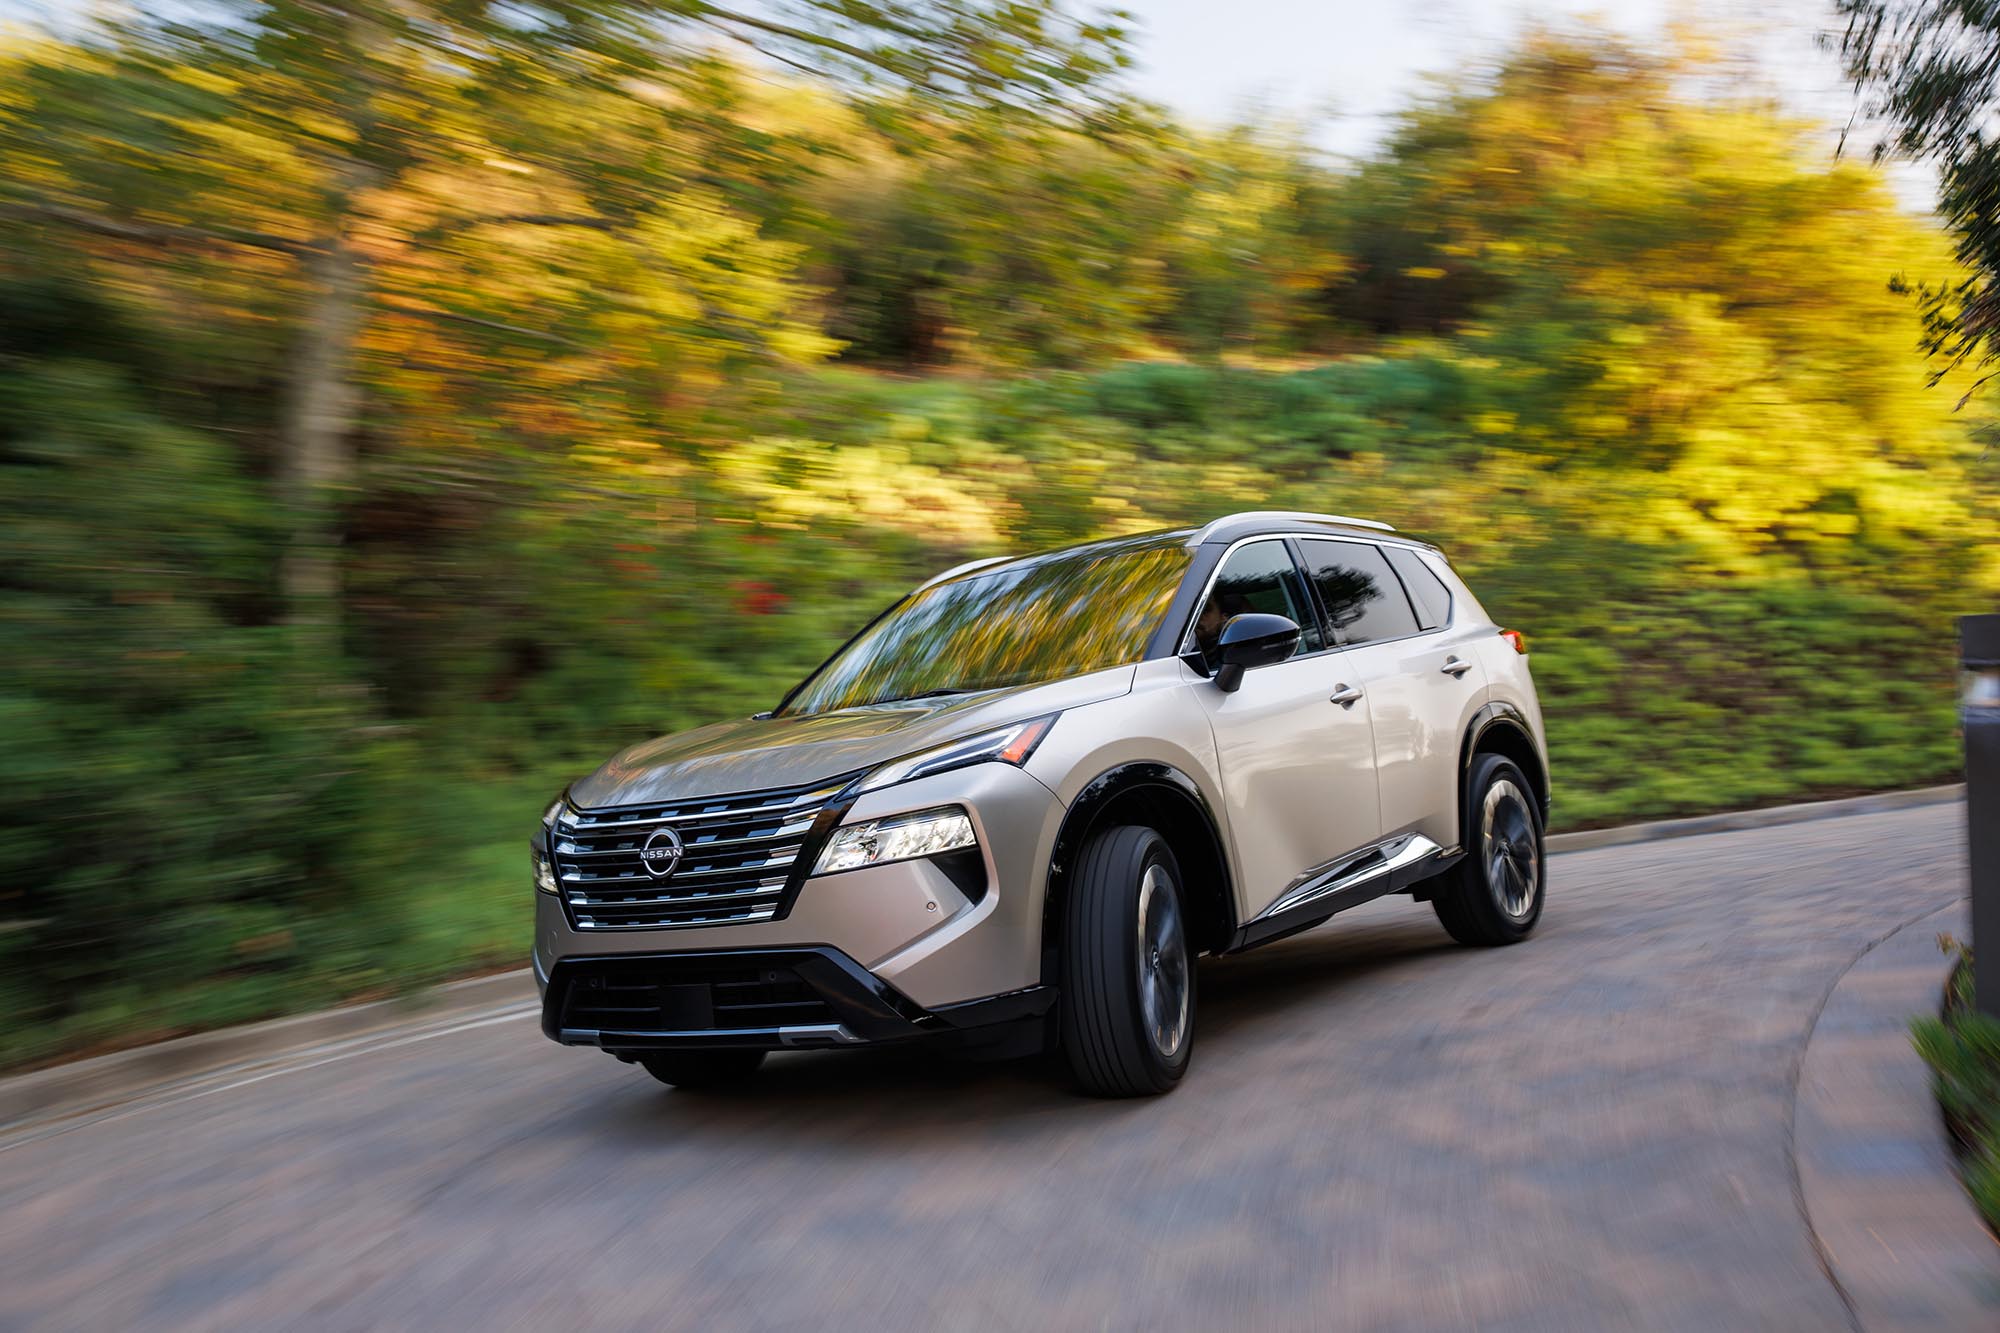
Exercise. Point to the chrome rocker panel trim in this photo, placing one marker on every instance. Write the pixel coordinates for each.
(1385, 867)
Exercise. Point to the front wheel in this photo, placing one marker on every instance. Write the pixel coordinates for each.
(1494, 894)
(1127, 1015)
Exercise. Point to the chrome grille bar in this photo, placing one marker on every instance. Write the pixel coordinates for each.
(769, 863)
(593, 820)
(768, 889)
(738, 855)
(789, 832)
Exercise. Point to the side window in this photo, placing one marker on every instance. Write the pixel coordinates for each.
(1427, 591)
(1259, 577)
(1361, 594)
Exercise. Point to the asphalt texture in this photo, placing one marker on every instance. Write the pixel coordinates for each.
(1381, 1130)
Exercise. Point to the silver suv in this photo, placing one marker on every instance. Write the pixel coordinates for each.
(1015, 807)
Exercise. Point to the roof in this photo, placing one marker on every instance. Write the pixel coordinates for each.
(1235, 527)
(1229, 528)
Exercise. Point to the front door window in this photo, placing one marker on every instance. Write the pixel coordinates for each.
(1259, 577)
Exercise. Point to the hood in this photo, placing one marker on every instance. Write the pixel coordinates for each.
(755, 754)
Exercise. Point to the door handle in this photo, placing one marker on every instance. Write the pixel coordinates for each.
(1455, 666)
(1345, 696)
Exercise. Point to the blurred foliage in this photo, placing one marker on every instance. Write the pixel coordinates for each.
(386, 438)
(1962, 1047)
(1924, 70)
(1005, 245)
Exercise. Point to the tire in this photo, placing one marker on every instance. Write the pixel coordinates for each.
(702, 1069)
(1126, 1018)
(1494, 894)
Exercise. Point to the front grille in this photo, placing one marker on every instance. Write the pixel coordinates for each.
(640, 998)
(739, 853)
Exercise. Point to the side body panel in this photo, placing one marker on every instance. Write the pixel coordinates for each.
(1508, 679)
(1419, 713)
(1297, 772)
(1156, 721)
(1159, 722)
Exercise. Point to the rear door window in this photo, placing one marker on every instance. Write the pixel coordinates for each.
(1428, 594)
(1364, 599)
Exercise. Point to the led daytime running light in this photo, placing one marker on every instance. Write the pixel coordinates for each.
(896, 838)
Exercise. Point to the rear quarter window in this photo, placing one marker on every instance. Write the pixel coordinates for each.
(1428, 594)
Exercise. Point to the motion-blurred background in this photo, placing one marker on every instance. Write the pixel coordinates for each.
(404, 403)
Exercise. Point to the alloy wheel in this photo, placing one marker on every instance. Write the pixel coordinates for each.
(1164, 972)
(1508, 849)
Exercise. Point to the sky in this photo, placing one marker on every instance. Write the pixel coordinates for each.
(1343, 67)
(1346, 65)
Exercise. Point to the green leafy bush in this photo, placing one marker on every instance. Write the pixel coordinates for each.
(1962, 1048)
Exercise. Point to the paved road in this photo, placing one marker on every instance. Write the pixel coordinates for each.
(1382, 1130)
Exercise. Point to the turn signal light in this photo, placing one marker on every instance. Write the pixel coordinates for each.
(1513, 637)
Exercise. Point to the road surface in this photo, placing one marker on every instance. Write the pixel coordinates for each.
(1381, 1130)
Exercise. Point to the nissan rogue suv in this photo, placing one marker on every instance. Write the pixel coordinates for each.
(1012, 811)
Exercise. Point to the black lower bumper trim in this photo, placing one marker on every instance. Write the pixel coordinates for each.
(1031, 1002)
(769, 999)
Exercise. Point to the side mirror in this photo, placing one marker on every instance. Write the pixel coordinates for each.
(1252, 641)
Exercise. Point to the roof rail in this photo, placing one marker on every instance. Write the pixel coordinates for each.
(1287, 515)
(965, 568)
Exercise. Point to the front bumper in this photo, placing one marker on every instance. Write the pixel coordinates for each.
(764, 999)
(907, 926)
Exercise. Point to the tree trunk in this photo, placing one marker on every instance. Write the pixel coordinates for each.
(316, 455)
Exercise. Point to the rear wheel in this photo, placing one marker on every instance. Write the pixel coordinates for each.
(1494, 894)
(1128, 996)
(702, 1069)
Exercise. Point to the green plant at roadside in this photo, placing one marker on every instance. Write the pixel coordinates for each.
(1962, 1048)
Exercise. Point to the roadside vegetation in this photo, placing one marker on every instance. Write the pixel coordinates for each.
(1962, 1047)
(387, 438)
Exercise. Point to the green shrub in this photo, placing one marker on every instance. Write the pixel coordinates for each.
(1962, 1048)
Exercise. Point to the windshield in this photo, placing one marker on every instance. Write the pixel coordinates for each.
(1035, 620)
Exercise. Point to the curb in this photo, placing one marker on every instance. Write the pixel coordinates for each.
(1768, 817)
(1877, 1186)
(86, 1085)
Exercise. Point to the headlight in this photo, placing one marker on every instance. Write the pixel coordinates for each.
(896, 838)
(545, 875)
(1009, 745)
(556, 807)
